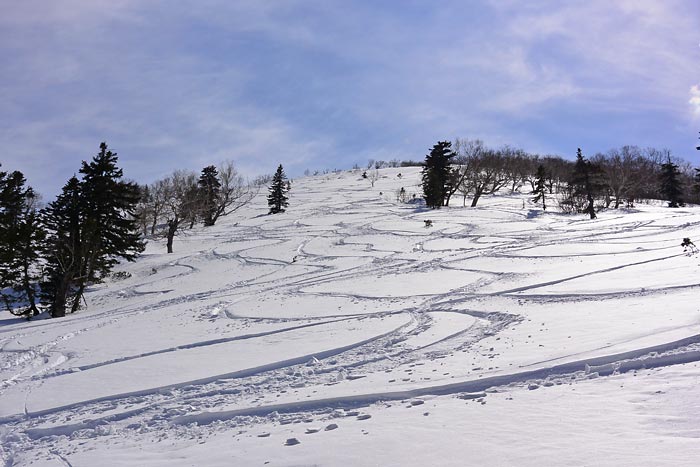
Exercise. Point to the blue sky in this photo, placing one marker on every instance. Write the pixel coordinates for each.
(324, 84)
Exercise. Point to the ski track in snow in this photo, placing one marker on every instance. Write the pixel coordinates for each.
(303, 258)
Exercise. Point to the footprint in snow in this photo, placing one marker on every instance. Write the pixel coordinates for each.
(364, 417)
(331, 427)
(292, 442)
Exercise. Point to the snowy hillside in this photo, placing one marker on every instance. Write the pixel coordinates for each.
(345, 332)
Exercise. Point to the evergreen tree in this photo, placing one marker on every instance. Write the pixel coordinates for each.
(277, 199)
(436, 174)
(540, 187)
(20, 237)
(92, 225)
(209, 191)
(671, 187)
(62, 250)
(586, 183)
(110, 229)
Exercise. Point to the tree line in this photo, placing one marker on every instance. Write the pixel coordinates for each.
(50, 254)
(619, 177)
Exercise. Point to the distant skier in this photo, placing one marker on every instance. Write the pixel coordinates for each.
(689, 247)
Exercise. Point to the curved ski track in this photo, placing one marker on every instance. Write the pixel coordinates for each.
(246, 389)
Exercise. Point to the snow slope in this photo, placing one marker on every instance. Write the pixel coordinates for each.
(345, 332)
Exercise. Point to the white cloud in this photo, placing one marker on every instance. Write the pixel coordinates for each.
(306, 82)
(695, 99)
(614, 49)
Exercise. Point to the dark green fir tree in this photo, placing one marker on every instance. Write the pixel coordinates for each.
(540, 190)
(436, 174)
(277, 199)
(586, 184)
(670, 184)
(63, 248)
(209, 192)
(21, 235)
(92, 225)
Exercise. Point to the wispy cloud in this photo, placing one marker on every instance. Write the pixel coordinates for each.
(323, 84)
(615, 49)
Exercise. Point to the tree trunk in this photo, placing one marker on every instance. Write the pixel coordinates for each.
(78, 296)
(58, 307)
(477, 195)
(591, 207)
(29, 289)
(172, 228)
(85, 276)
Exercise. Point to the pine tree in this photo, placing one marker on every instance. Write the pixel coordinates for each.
(696, 181)
(110, 229)
(209, 191)
(62, 250)
(586, 183)
(277, 199)
(671, 187)
(540, 187)
(92, 225)
(436, 174)
(20, 237)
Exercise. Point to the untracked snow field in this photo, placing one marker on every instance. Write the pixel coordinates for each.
(345, 332)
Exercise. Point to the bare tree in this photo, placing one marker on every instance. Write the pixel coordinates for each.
(401, 195)
(373, 176)
(485, 175)
(180, 202)
(557, 171)
(262, 180)
(468, 151)
(624, 169)
(516, 166)
(143, 211)
(157, 194)
(235, 191)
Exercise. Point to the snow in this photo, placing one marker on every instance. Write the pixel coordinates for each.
(346, 332)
